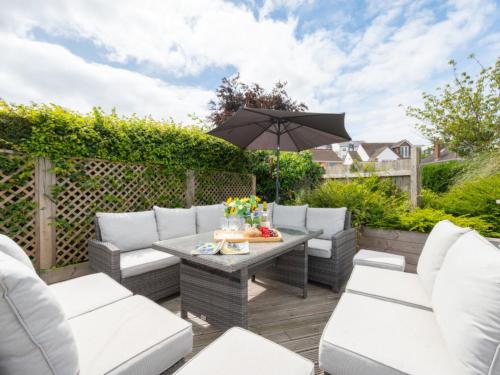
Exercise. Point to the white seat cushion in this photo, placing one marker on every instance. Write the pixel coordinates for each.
(133, 336)
(175, 222)
(368, 336)
(289, 216)
(208, 218)
(330, 220)
(319, 248)
(87, 293)
(466, 300)
(9, 247)
(128, 230)
(137, 262)
(379, 259)
(443, 235)
(242, 352)
(394, 286)
(35, 337)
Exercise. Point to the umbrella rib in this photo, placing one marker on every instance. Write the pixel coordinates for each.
(293, 140)
(257, 136)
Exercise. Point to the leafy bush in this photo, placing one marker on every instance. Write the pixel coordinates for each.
(372, 200)
(297, 171)
(439, 177)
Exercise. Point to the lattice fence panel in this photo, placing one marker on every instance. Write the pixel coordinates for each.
(216, 187)
(97, 185)
(17, 200)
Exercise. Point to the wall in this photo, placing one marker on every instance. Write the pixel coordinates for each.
(387, 155)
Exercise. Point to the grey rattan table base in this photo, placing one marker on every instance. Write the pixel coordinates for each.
(221, 298)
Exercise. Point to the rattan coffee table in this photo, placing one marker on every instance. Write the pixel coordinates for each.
(215, 287)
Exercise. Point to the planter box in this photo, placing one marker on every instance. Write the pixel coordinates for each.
(401, 242)
(55, 275)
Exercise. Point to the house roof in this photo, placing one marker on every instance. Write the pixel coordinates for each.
(373, 149)
(354, 155)
(444, 156)
(325, 155)
(397, 144)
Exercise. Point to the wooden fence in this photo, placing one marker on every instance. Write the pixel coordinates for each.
(405, 173)
(49, 210)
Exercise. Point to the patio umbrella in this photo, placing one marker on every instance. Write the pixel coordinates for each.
(268, 129)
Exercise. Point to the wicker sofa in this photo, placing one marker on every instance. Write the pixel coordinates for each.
(87, 325)
(123, 246)
(443, 320)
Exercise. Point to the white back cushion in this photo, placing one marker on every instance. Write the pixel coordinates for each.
(128, 230)
(208, 218)
(35, 337)
(289, 216)
(466, 302)
(175, 222)
(443, 235)
(9, 247)
(330, 220)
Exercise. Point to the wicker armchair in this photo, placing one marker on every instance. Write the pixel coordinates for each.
(156, 284)
(334, 271)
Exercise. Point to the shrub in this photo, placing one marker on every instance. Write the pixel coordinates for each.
(439, 177)
(371, 200)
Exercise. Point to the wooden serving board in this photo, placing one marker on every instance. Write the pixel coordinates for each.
(239, 236)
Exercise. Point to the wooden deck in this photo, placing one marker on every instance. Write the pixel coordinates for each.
(279, 313)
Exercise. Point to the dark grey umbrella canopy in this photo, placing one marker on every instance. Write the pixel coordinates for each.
(269, 129)
(258, 129)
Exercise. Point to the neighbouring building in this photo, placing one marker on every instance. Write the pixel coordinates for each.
(372, 151)
(440, 154)
(326, 157)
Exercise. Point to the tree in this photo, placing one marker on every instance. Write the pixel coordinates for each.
(463, 115)
(232, 94)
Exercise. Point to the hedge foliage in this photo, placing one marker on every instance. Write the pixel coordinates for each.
(376, 202)
(439, 177)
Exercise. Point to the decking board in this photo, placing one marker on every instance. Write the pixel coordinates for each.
(277, 312)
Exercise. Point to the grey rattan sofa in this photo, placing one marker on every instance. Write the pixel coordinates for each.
(330, 255)
(123, 246)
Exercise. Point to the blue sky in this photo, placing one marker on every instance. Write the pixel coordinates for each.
(165, 58)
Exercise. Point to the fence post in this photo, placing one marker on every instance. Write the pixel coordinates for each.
(254, 185)
(45, 231)
(415, 176)
(190, 188)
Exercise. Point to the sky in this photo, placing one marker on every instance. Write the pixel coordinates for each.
(165, 58)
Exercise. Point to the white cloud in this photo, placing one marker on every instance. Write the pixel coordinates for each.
(386, 63)
(43, 72)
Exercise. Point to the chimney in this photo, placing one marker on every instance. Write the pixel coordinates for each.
(437, 151)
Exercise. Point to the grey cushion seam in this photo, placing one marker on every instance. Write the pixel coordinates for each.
(367, 262)
(389, 299)
(494, 361)
(99, 307)
(21, 322)
(148, 348)
(365, 357)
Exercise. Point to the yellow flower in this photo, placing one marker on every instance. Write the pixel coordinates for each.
(229, 200)
(253, 208)
(232, 211)
(258, 199)
(244, 199)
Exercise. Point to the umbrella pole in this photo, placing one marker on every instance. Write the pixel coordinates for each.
(277, 199)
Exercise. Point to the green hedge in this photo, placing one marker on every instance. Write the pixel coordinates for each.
(439, 177)
(58, 133)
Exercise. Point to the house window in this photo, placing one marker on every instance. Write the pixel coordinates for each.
(404, 151)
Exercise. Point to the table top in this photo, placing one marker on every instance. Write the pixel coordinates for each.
(182, 247)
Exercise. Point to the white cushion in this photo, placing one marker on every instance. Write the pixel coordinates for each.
(466, 300)
(379, 259)
(137, 262)
(175, 222)
(442, 236)
(128, 230)
(368, 336)
(208, 218)
(35, 337)
(83, 294)
(289, 216)
(389, 285)
(330, 220)
(132, 336)
(319, 248)
(9, 247)
(242, 352)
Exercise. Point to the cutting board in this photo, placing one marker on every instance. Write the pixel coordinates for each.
(239, 236)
